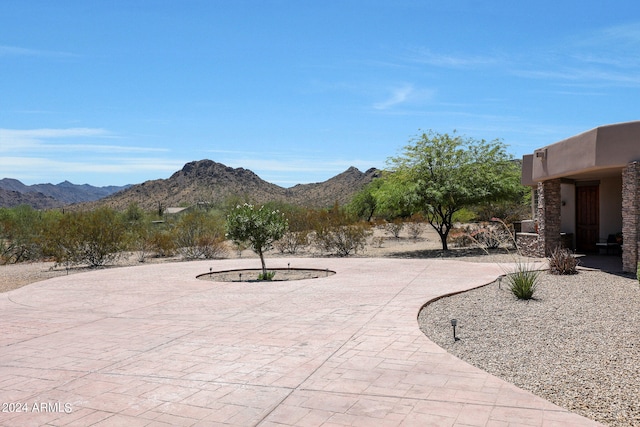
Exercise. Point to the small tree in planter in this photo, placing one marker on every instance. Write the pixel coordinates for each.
(256, 228)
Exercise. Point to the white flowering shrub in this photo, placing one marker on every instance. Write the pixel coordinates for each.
(256, 228)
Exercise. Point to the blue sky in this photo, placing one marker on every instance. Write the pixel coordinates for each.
(118, 92)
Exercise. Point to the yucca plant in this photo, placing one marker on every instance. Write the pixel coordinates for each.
(523, 281)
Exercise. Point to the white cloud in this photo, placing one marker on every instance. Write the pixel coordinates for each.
(30, 140)
(603, 57)
(21, 51)
(42, 169)
(398, 96)
(426, 56)
(50, 133)
(78, 154)
(404, 94)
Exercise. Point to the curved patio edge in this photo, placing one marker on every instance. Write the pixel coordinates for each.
(153, 346)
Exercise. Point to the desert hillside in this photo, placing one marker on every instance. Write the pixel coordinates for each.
(211, 182)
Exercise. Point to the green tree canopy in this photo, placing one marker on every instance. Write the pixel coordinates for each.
(439, 174)
(257, 228)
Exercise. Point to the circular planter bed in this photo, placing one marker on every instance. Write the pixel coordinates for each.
(251, 274)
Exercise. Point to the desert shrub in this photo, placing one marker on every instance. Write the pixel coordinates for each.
(162, 241)
(62, 241)
(335, 231)
(378, 242)
(490, 236)
(20, 229)
(200, 235)
(523, 281)
(394, 228)
(343, 240)
(95, 238)
(102, 237)
(292, 241)
(139, 229)
(415, 226)
(460, 237)
(485, 236)
(562, 261)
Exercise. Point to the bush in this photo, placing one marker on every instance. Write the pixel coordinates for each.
(95, 238)
(523, 282)
(394, 227)
(461, 237)
(562, 262)
(492, 236)
(19, 234)
(343, 240)
(415, 226)
(162, 242)
(200, 235)
(292, 242)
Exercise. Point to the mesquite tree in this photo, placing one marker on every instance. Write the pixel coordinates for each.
(256, 228)
(439, 174)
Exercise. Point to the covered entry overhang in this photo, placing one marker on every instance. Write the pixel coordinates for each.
(588, 187)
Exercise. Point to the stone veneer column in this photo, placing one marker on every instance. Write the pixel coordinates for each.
(549, 203)
(630, 216)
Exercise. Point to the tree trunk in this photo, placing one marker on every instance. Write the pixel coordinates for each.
(264, 266)
(443, 239)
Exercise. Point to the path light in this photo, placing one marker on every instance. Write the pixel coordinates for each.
(240, 276)
(454, 323)
(288, 266)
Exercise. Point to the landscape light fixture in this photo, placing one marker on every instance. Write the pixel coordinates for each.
(454, 323)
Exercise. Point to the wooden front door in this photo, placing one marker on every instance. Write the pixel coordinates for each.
(587, 218)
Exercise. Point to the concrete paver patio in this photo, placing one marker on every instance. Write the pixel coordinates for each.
(154, 346)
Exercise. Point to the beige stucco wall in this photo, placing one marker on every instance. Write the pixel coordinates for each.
(599, 149)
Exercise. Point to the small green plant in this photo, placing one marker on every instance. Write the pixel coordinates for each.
(562, 262)
(523, 281)
(266, 276)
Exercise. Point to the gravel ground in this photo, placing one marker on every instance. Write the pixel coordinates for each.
(576, 344)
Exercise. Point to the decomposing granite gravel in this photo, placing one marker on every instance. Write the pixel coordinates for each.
(577, 344)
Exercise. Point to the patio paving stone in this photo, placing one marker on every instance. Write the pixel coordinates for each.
(154, 346)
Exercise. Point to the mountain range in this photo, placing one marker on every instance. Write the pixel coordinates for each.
(198, 181)
(47, 196)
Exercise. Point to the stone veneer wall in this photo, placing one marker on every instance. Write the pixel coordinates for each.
(549, 204)
(528, 244)
(630, 216)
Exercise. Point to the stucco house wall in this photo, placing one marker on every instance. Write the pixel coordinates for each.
(604, 158)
